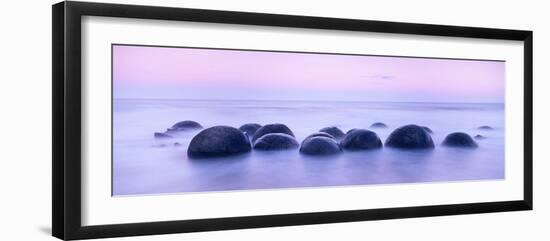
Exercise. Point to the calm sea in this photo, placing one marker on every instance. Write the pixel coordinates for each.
(141, 165)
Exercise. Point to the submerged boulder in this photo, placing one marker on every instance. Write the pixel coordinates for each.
(276, 141)
(361, 139)
(250, 128)
(333, 131)
(160, 135)
(485, 128)
(410, 137)
(459, 139)
(320, 145)
(320, 134)
(378, 125)
(185, 125)
(480, 137)
(218, 141)
(271, 128)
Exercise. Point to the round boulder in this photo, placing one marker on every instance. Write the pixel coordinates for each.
(480, 137)
(378, 125)
(320, 145)
(333, 131)
(218, 141)
(271, 128)
(361, 139)
(320, 134)
(459, 139)
(410, 137)
(250, 128)
(485, 128)
(185, 125)
(276, 141)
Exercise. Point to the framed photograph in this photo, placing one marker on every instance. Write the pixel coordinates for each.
(171, 120)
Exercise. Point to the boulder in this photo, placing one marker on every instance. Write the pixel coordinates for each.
(276, 141)
(480, 137)
(250, 128)
(378, 125)
(320, 134)
(218, 141)
(271, 128)
(320, 145)
(361, 139)
(185, 125)
(410, 137)
(333, 131)
(485, 128)
(159, 135)
(459, 139)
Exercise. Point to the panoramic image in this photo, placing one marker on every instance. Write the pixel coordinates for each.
(191, 120)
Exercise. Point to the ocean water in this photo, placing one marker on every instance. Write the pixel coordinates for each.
(143, 165)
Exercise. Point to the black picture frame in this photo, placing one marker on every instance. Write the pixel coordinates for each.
(66, 159)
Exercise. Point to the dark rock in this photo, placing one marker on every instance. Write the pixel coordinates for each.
(320, 134)
(485, 128)
(410, 137)
(480, 137)
(185, 125)
(271, 128)
(250, 128)
(276, 141)
(333, 131)
(427, 129)
(320, 145)
(160, 135)
(360, 139)
(378, 125)
(459, 139)
(218, 141)
(350, 130)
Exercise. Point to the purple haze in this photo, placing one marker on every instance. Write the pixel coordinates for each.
(185, 73)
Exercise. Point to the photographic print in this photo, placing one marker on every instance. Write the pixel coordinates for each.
(202, 119)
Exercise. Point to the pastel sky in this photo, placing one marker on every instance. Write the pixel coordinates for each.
(186, 73)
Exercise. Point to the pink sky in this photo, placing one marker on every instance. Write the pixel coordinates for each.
(185, 73)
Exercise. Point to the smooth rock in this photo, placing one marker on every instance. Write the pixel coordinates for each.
(378, 125)
(271, 128)
(480, 137)
(160, 135)
(218, 141)
(485, 128)
(333, 131)
(185, 125)
(320, 145)
(459, 139)
(361, 139)
(320, 134)
(410, 137)
(427, 129)
(276, 141)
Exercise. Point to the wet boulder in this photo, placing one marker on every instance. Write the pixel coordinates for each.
(485, 128)
(360, 139)
(378, 125)
(160, 135)
(320, 134)
(320, 145)
(250, 128)
(185, 125)
(218, 141)
(410, 137)
(480, 137)
(271, 128)
(333, 131)
(459, 139)
(276, 141)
